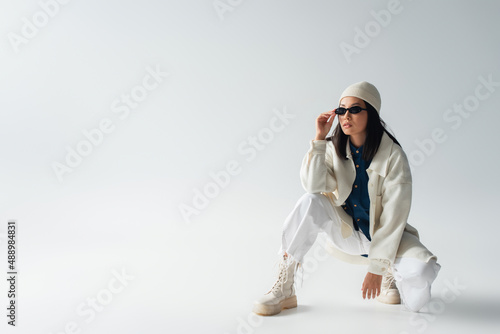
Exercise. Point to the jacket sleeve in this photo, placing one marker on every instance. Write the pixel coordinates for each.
(395, 200)
(317, 174)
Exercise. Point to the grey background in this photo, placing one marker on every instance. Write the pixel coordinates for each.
(120, 208)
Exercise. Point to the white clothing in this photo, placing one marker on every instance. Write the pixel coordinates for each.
(313, 213)
(389, 190)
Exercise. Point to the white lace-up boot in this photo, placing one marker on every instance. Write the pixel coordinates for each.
(282, 294)
(389, 293)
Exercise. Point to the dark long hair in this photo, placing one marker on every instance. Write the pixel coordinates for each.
(375, 128)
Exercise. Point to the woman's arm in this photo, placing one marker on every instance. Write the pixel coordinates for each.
(316, 173)
(395, 201)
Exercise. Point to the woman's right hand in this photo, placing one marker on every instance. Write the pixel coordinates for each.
(323, 126)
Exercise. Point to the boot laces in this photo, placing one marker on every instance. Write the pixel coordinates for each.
(282, 276)
(388, 281)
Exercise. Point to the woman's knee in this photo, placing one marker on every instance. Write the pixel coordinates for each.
(315, 205)
(311, 198)
(426, 271)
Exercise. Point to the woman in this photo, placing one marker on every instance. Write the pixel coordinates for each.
(359, 188)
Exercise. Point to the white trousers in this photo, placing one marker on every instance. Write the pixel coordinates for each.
(314, 213)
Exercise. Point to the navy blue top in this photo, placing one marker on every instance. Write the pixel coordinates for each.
(357, 205)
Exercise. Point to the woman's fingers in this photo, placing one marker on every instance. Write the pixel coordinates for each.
(370, 293)
(371, 285)
(367, 293)
(329, 113)
(331, 116)
(326, 116)
(324, 123)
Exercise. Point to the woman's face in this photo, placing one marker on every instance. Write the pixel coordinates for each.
(353, 124)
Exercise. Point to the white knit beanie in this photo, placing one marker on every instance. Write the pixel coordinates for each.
(365, 91)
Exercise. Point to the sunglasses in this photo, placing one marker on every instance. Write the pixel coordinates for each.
(352, 110)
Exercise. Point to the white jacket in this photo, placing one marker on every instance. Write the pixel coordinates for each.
(389, 190)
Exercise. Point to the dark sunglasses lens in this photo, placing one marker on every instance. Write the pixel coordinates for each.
(355, 110)
(340, 111)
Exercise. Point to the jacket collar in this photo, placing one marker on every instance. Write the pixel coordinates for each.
(381, 158)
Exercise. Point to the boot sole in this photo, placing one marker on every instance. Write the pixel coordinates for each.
(389, 299)
(266, 310)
